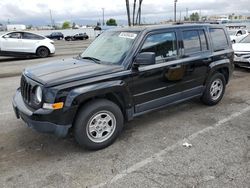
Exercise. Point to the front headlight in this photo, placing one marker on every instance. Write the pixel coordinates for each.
(38, 94)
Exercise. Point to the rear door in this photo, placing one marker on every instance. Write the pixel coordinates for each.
(196, 57)
(30, 41)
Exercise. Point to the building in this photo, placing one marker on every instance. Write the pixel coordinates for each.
(15, 27)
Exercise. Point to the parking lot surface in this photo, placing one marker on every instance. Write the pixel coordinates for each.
(149, 153)
(11, 66)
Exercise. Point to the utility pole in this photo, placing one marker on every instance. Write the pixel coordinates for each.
(175, 1)
(103, 23)
(51, 20)
(187, 14)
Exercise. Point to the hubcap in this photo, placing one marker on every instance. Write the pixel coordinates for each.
(101, 126)
(216, 89)
(43, 52)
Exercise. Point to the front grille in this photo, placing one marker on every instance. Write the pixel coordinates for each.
(26, 90)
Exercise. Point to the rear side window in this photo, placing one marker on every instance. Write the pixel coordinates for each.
(164, 45)
(219, 39)
(194, 41)
(32, 36)
(191, 42)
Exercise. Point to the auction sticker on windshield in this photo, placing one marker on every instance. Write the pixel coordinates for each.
(127, 35)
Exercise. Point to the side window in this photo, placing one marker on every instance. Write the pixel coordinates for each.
(219, 39)
(164, 45)
(243, 32)
(14, 35)
(31, 36)
(191, 41)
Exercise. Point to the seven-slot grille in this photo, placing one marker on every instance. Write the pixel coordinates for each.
(26, 89)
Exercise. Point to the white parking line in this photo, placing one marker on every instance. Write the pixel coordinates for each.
(158, 156)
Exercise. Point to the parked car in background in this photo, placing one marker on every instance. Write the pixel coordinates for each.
(125, 73)
(78, 36)
(25, 43)
(242, 52)
(237, 35)
(56, 35)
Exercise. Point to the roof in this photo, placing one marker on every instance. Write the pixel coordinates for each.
(158, 27)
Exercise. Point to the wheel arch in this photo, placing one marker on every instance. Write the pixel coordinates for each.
(117, 92)
(221, 66)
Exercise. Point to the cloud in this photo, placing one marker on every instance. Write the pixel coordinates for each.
(19, 11)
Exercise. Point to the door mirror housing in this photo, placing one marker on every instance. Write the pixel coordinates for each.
(6, 36)
(145, 58)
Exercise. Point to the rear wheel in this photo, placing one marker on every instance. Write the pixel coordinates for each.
(98, 124)
(42, 52)
(215, 89)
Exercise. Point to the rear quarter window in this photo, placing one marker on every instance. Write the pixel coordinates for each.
(219, 39)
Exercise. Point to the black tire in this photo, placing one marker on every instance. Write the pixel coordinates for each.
(212, 99)
(86, 117)
(42, 52)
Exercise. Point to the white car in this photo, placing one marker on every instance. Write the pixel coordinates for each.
(237, 35)
(25, 43)
(242, 52)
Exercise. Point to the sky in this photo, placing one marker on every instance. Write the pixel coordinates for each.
(83, 11)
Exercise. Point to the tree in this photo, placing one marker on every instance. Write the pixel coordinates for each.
(194, 16)
(66, 25)
(111, 22)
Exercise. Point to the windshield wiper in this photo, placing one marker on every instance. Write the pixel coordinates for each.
(93, 59)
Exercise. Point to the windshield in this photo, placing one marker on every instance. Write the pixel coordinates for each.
(111, 47)
(246, 39)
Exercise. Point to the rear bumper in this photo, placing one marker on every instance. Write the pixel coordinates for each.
(39, 120)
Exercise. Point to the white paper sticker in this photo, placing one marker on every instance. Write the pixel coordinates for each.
(127, 35)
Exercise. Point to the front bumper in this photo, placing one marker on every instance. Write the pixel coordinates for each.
(42, 120)
(242, 60)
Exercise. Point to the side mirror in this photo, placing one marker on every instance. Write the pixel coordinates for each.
(145, 58)
(6, 36)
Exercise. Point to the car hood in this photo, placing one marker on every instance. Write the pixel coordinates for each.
(68, 70)
(241, 47)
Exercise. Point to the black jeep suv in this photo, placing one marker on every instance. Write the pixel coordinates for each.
(125, 73)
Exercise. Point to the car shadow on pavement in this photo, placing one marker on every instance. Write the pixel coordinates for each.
(10, 59)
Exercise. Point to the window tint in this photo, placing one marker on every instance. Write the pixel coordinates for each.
(191, 42)
(219, 39)
(14, 35)
(164, 46)
(31, 36)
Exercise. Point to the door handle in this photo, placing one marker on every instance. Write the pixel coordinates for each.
(207, 60)
(175, 67)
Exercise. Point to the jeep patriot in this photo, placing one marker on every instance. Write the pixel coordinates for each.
(125, 73)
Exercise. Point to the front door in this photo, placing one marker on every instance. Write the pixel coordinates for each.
(159, 84)
(11, 42)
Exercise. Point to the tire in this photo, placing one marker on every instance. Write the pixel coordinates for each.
(42, 52)
(215, 89)
(102, 133)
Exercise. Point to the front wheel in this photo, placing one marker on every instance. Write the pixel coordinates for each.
(98, 124)
(215, 89)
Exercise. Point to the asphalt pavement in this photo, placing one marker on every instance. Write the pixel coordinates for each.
(149, 153)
